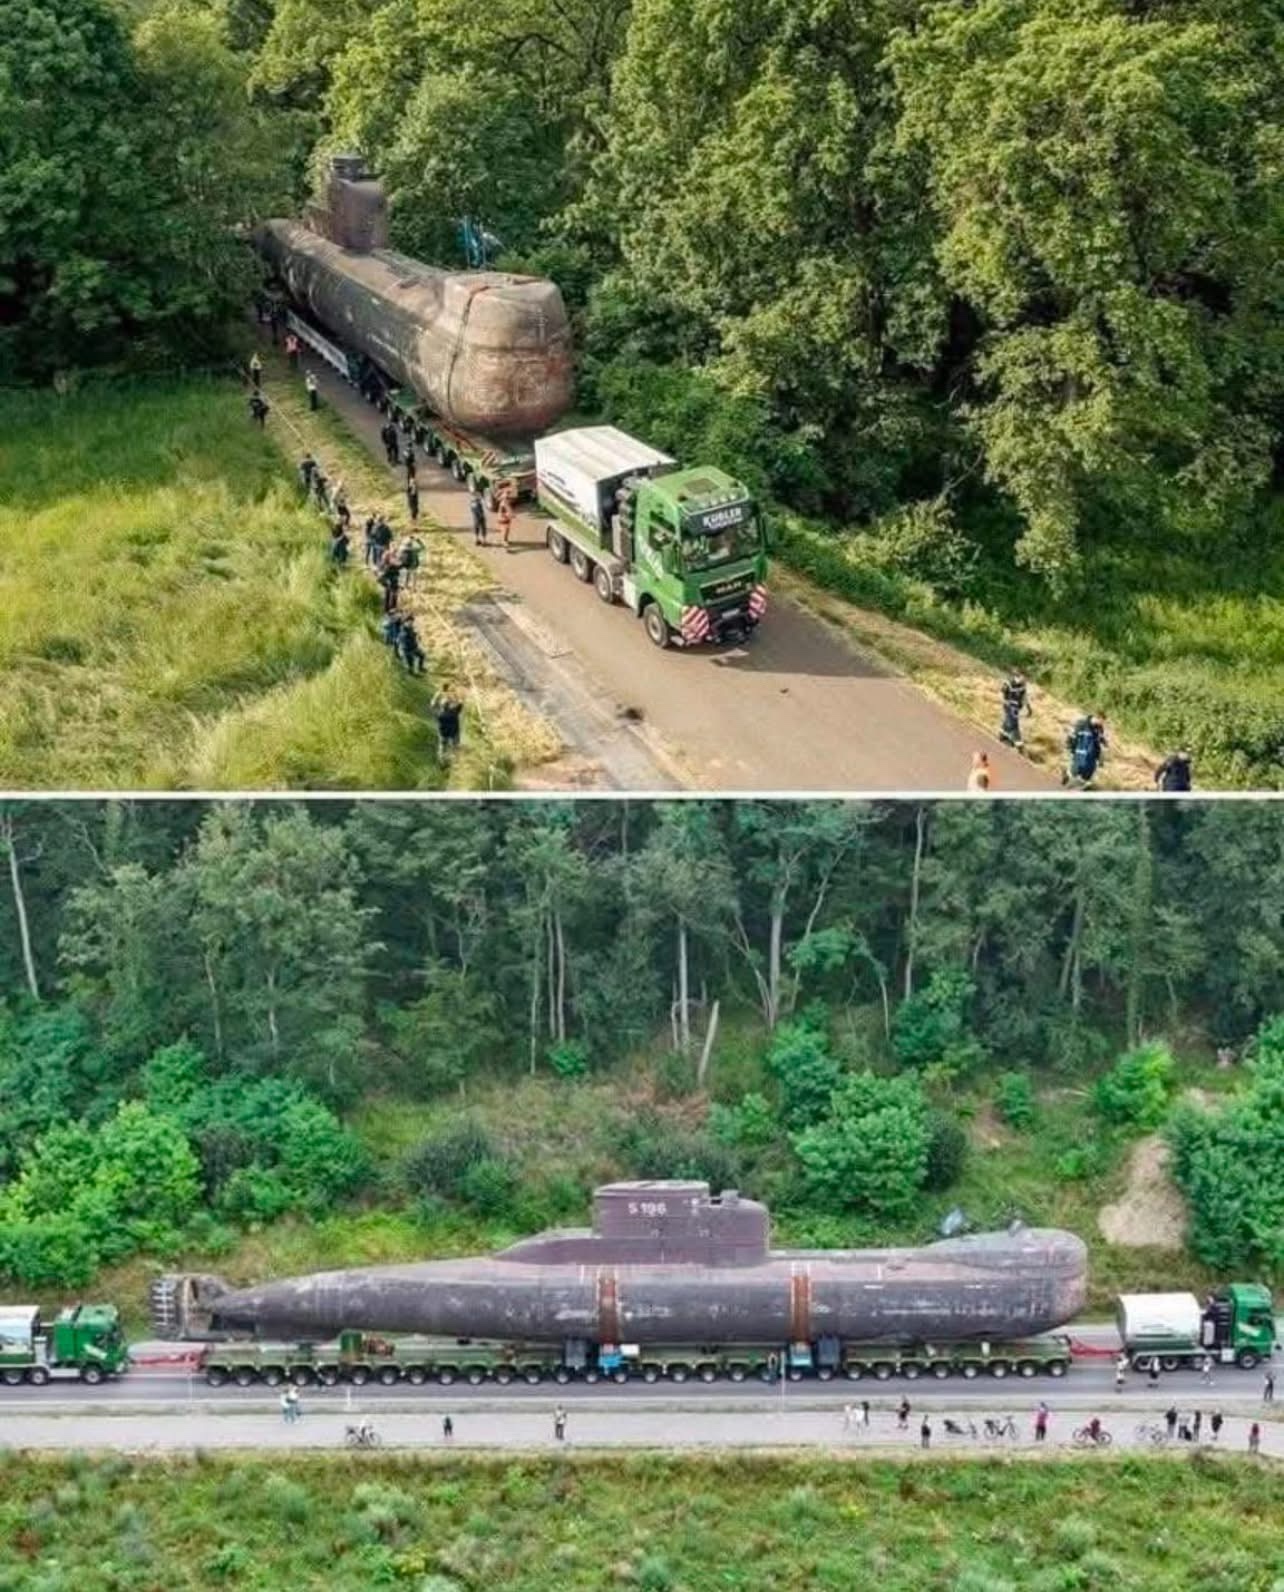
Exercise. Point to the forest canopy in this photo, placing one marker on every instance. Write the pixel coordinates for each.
(219, 992)
(1022, 256)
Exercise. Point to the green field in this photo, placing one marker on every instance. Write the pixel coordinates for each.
(653, 1524)
(168, 618)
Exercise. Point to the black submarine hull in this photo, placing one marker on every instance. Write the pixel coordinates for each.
(708, 1277)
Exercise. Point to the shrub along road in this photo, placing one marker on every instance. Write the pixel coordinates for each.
(798, 708)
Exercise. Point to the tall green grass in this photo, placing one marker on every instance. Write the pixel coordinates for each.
(168, 617)
(652, 1523)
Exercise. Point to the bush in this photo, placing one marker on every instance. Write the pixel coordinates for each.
(946, 1150)
(806, 1073)
(569, 1058)
(252, 1196)
(438, 1164)
(488, 1186)
(930, 1029)
(1135, 1092)
(47, 1252)
(1014, 1099)
(923, 542)
(872, 1152)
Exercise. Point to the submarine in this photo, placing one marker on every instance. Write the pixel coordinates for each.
(667, 1262)
(489, 351)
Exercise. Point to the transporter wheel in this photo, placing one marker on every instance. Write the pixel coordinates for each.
(1028, 1368)
(215, 1376)
(679, 1373)
(620, 1375)
(243, 1376)
(301, 1376)
(825, 1373)
(941, 1370)
(911, 1370)
(736, 1373)
(556, 544)
(38, 1375)
(1170, 1362)
(592, 1374)
(603, 585)
(389, 1375)
(707, 1373)
(1247, 1359)
(1141, 1362)
(651, 1373)
(359, 1375)
(853, 1371)
(445, 1374)
(328, 1376)
(562, 1375)
(581, 564)
(273, 1375)
(458, 469)
(656, 625)
(795, 1373)
(503, 1374)
(12, 1378)
(476, 1375)
(999, 1368)
(1057, 1367)
(884, 1371)
(532, 1374)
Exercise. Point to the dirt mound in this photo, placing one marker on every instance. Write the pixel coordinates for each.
(1151, 1214)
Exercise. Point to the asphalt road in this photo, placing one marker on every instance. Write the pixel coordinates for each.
(796, 709)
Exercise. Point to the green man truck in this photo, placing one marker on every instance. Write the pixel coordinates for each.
(1234, 1326)
(82, 1343)
(683, 549)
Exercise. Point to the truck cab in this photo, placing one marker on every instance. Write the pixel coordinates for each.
(1238, 1322)
(683, 548)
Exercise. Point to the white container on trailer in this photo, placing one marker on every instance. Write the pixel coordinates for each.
(1156, 1320)
(19, 1328)
(580, 470)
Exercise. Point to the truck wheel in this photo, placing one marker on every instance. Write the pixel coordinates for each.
(532, 1375)
(853, 1371)
(416, 1375)
(999, 1368)
(911, 1370)
(328, 1376)
(591, 1375)
(650, 1373)
(476, 1375)
(620, 1374)
(562, 1375)
(1170, 1362)
(581, 565)
(1246, 1360)
(971, 1370)
(13, 1378)
(1028, 1368)
(273, 1376)
(503, 1374)
(941, 1370)
(389, 1375)
(656, 625)
(557, 545)
(359, 1375)
(708, 1373)
(884, 1371)
(301, 1375)
(92, 1375)
(825, 1373)
(795, 1373)
(603, 585)
(215, 1376)
(678, 1373)
(1057, 1367)
(38, 1375)
(736, 1373)
(445, 1374)
(243, 1376)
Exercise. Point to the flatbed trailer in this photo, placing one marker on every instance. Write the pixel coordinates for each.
(358, 1358)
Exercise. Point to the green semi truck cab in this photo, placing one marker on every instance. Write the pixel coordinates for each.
(83, 1342)
(1235, 1325)
(682, 548)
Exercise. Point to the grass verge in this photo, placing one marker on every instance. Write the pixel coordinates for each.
(662, 1523)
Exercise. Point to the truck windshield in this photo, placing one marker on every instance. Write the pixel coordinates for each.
(706, 545)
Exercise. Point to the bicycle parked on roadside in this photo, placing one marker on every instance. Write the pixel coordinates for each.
(1092, 1436)
(1152, 1432)
(363, 1436)
(996, 1430)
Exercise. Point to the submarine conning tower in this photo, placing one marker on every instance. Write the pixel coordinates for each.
(354, 211)
(656, 1223)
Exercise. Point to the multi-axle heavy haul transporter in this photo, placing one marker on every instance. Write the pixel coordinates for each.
(476, 366)
(669, 1281)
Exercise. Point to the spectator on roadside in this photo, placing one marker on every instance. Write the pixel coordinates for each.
(313, 391)
(292, 350)
(412, 501)
(979, 778)
(256, 371)
(448, 709)
(339, 544)
(411, 558)
(477, 513)
(1174, 773)
(259, 407)
(409, 650)
(389, 578)
(307, 469)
